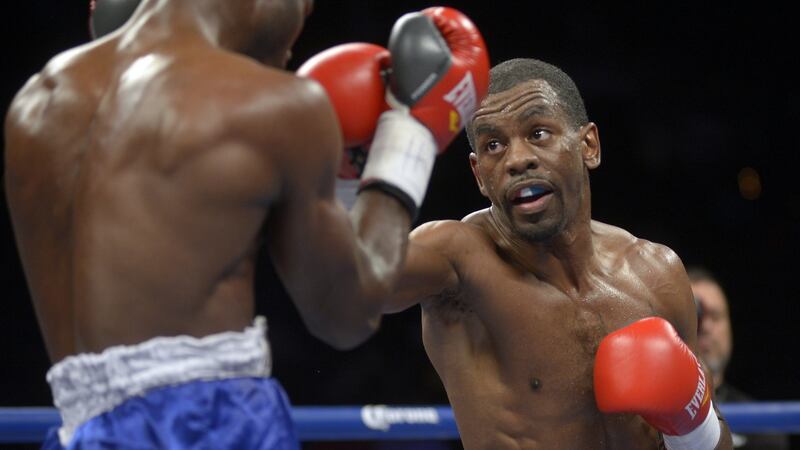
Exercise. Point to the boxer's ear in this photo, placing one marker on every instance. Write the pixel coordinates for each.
(473, 163)
(590, 145)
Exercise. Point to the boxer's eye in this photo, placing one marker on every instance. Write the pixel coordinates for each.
(539, 134)
(493, 146)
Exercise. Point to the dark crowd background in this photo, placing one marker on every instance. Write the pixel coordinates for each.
(696, 104)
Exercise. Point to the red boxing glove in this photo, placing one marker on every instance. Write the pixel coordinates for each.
(437, 71)
(351, 76)
(438, 75)
(440, 68)
(645, 368)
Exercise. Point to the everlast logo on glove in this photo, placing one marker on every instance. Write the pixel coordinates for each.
(700, 396)
(464, 99)
(637, 364)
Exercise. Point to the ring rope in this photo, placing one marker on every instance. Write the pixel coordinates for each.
(382, 422)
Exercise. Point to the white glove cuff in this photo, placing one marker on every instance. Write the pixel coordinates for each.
(401, 157)
(704, 437)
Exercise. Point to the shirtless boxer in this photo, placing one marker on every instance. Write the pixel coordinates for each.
(517, 298)
(141, 169)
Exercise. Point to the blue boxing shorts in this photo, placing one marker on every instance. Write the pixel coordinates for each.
(173, 393)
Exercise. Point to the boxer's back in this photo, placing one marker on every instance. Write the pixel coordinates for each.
(135, 193)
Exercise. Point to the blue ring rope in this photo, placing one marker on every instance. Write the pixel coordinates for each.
(380, 422)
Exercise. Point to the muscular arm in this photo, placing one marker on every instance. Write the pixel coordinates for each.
(677, 306)
(339, 268)
(428, 269)
(335, 267)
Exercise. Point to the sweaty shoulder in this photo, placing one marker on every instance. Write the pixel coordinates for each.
(276, 106)
(659, 268)
(442, 256)
(293, 117)
(456, 240)
(641, 254)
(265, 122)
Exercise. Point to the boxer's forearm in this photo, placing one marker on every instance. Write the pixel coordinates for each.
(348, 265)
(382, 224)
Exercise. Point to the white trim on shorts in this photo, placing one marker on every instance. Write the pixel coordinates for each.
(89, 384)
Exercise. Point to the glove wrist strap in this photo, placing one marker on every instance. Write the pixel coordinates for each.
(400, 159)
(704, 437)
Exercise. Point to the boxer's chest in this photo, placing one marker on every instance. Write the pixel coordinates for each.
(546, 338)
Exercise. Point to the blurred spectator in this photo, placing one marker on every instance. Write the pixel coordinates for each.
(715, 343)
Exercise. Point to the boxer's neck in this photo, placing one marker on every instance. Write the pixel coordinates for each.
(224, 24)
(566, 260)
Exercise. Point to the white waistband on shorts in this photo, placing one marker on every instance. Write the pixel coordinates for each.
(90, 384)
